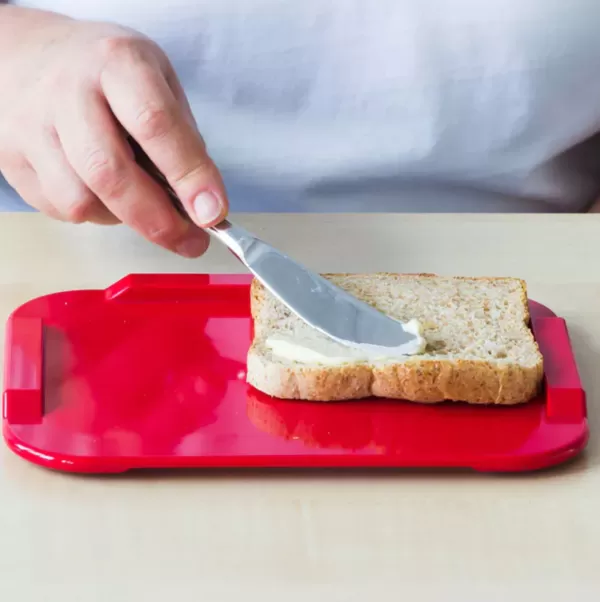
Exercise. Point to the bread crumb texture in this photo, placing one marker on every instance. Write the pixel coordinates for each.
(480, 348)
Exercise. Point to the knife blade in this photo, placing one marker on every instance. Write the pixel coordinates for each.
(318, 302)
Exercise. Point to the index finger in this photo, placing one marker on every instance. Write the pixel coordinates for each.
(101, 157)
(142, 101)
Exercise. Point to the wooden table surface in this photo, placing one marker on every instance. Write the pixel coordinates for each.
(336, 537)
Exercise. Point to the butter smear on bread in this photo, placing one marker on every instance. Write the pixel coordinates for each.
(474, 344)
(312, 347)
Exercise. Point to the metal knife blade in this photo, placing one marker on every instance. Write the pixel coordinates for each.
(321, 304)
(314, 299)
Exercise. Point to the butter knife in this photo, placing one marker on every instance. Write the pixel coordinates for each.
(314, 299)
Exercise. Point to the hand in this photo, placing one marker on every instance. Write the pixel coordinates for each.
(72, 92)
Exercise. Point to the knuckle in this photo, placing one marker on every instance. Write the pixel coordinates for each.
(153, 122)
(195, 170)
(163, 234)
(106, 175)
(117, 47)
(125, 45)
(162, 226)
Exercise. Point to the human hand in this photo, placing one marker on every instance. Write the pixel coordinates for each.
(73, 92)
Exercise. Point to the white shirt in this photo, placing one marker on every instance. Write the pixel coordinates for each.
(386, 105)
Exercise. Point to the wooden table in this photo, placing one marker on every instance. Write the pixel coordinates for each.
(419, 536)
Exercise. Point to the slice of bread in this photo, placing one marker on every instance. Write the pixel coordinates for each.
(479, 346)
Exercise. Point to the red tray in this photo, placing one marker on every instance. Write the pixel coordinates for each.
(151, 373)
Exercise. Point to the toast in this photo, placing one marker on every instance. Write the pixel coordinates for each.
(479, 347)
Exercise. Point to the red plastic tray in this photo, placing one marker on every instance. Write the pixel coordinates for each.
(151, 373)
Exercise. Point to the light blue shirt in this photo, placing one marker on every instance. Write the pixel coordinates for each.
(386, 105)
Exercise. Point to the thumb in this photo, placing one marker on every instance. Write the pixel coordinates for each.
(206, 207)
(203, 194)
(154, 118)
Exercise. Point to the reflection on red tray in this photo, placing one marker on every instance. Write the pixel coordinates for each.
(150, 373)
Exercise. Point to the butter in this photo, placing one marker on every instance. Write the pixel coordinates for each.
(312, 347)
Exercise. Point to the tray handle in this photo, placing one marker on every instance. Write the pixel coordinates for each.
(23, 377)
(564, 392)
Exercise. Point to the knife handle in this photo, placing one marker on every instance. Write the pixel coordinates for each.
(238, 240)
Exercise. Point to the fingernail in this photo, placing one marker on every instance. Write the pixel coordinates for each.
(192, 247)
(207, 208)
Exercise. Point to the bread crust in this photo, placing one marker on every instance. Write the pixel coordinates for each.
(417, 379)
